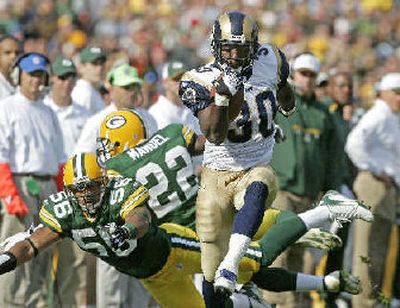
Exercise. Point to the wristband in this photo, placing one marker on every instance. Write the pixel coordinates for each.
(35, 250)
(131, 229)
(287, 113)
(221, 100)
(8, 262)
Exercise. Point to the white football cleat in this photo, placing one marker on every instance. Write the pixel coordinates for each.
(343, 209)
(320, 239)
(225, 282)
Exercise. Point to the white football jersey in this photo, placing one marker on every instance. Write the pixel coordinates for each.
(250, 139)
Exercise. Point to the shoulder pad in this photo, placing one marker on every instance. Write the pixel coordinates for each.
(270, 69)
(56, 211)
(196, 87)
(126, 194)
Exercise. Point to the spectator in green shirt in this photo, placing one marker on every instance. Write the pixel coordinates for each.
(303, 162)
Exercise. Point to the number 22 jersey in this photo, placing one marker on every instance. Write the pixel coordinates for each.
(250, 138)
(163, 164)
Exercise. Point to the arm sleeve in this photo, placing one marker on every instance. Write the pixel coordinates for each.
(48, 219)
(87, 140)
(283, 70)
(61, 157)
(357, 145)
(6, 137)
(136, 196)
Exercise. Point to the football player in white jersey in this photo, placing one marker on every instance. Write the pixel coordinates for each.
(235, 99)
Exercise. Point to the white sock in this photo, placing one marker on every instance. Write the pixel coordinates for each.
(309, 282)
(315, 217)
(238, 244)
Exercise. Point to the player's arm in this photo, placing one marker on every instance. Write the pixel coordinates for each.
(214, 120)
(211, 105)
(26, 249)
(135, 215)
(285, 93)
(140, 219)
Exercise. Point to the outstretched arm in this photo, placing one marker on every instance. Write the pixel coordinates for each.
(25, 250)
(137, 224)
(140, 218)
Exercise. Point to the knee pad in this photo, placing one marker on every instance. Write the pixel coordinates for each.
(250, 216)
(208, 221)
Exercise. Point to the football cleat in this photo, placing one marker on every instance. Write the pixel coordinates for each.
(338, 281)
(254, 295)
(225, 282)
(343, 209)
(320, 239)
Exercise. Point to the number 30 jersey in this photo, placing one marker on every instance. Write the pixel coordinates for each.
(163, 164)
(250, 138)
(63, 215)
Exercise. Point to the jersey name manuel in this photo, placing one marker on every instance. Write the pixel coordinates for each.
(153, 144)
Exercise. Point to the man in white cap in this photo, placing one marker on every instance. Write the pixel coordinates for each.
(374, 148)
(303, 161)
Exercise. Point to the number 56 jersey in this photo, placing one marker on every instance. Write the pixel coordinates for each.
(63, 215)
(250, 138)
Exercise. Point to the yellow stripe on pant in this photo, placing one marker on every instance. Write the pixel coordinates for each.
(172, 286)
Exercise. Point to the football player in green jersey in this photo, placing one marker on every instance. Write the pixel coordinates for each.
(163, 164)
(111, 219)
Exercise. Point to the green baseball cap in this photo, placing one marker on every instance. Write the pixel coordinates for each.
(123, 75)
(91, 54)
(174, 70)
(63, 66)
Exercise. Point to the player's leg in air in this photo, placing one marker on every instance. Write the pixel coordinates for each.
(284, 228)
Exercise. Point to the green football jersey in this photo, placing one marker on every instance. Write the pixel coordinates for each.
(136, 257)
(163, 164)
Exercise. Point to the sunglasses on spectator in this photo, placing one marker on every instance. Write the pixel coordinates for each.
(131, 87)
(100, 61)
(67, 76)
(307, 73)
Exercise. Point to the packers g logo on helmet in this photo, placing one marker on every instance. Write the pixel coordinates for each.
(85, 182)
(235, 28)
(119, 131)
(115, 122)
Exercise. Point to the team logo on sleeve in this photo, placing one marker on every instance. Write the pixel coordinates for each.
(115, 122)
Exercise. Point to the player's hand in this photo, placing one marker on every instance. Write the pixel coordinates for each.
(279, 134)
(228, 83)
(118, 235)
(342, 281)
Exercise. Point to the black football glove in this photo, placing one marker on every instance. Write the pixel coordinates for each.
(118, 235)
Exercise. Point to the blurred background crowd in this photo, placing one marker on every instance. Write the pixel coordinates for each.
(356, 42)
(360, 36)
